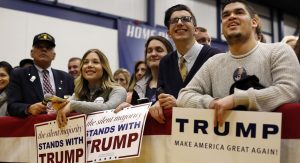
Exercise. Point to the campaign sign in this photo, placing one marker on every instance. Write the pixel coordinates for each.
(66, 145)
(246, 136)
(113, 136)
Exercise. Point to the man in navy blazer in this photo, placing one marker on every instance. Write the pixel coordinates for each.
(25, 90)
(181, 24)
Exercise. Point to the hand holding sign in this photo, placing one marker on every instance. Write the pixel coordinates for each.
(220, 106)
(122, 106)
(61, 117)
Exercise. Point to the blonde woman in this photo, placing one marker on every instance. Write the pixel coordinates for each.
(94, 88)
(122, 77)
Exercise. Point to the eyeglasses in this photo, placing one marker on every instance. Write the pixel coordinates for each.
(184, 19)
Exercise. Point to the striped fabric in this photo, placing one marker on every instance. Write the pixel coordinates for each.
(18, 140)
(46, 83)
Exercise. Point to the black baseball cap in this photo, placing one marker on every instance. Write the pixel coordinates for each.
(25, 61)
(43, 37)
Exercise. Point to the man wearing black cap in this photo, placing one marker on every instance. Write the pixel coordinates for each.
(26, 63)
(28, 86)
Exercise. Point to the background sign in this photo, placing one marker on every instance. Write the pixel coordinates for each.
(113, 136)
(132, 36)
(61, 145)
(245, 137)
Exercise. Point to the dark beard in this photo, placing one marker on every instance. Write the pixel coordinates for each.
(235, 38)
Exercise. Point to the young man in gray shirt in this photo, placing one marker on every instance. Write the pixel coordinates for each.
(275, 65)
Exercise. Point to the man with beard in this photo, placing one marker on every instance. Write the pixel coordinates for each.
(28, 86)
(275, 65)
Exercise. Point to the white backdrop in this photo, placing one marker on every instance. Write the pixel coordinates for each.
(73, 39)
(133, 9)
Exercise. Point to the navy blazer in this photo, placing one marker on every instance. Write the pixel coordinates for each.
(25, 88)
(169, 78)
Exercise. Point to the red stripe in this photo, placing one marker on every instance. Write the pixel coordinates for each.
(46, 82)
(152, 127)
(17, 127)
(290, 121)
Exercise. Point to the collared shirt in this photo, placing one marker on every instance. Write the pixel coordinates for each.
(191, 56)
(51, 77)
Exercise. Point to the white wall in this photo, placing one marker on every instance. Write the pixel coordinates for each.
(134, 9)
(204, 10)
(73, 39)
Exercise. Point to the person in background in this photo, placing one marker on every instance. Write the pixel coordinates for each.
(156, 47)
(95, 89)
(140, 68)
(122, 77)
(290, 40)
(297, 48)
(202, 36)
(258, 31)
(74, 66)
(5, 69)
(26, 63)
(275, 65)
(177, 68)
(29, 85)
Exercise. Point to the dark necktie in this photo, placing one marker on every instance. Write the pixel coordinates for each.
(46, 83)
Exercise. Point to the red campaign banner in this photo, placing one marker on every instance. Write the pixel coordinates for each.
(17, 137)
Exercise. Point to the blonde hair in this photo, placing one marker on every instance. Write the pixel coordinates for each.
(106, 83)
(125, 72)
(287, 39)
(258, 31)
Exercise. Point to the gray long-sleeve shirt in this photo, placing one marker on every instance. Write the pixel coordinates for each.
(276, 66)
(115, 98)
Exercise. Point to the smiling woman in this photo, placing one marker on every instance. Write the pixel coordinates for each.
(94, 88)
(5, 69)
(156, 48)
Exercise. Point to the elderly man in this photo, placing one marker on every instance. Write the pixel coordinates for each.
(29, 85)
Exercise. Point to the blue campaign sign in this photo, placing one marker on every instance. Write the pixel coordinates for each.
(132, 38)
